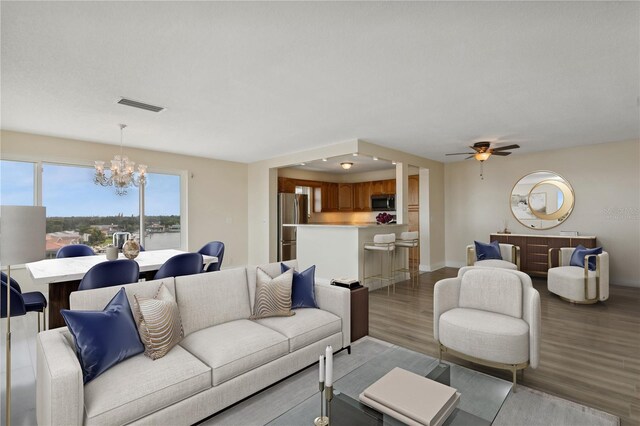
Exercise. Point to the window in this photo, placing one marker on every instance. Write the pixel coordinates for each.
(81, 212)
(162, 211)
(17, 183)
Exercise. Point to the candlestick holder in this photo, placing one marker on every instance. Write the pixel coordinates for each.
(322, 420)
(328, 394)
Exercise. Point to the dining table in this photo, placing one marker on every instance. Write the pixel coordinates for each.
(64, 275)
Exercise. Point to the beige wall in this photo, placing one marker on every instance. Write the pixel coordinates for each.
(217, 190)
(606, 181)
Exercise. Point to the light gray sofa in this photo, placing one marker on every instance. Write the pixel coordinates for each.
(223, 358)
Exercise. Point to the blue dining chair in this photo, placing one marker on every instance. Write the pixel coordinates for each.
(181, 264)
(109, 273)
(22, 303)
(214, 248)
(75, 250)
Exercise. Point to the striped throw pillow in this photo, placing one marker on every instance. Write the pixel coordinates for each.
(273, 295)
(159, 323)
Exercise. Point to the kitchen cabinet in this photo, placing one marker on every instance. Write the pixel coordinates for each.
(362, 197)
(345, 197)
(377, 187)
(330, 197)
(389, 186)
(534, 249)
(414, 191)
(286, 185)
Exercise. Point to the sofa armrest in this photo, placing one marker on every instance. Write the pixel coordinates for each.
(531, 315)
(336, 300)
(59, 385)
(446, 294)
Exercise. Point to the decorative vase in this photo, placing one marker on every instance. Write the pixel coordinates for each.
(131, 249)
(112, 252)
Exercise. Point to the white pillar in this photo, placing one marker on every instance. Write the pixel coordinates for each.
(402, 193)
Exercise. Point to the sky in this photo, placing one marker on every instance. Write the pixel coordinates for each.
(70, 191)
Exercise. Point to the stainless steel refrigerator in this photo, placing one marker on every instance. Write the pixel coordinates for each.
(292, 209)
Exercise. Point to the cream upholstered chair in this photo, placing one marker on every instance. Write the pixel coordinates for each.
(510, 257)
(489, 316)
(578, 284)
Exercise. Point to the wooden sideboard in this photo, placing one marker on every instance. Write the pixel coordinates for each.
(534, 249)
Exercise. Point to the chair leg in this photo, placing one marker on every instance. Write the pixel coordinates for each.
(514, 371)
(39, 322)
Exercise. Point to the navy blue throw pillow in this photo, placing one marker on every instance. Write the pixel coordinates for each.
(104, 338)
(577, 258)
(488, 251)
(303, 288)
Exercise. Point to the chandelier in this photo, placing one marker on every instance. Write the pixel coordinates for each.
(122, 171)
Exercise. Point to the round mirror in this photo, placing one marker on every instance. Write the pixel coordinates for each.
(542, 200)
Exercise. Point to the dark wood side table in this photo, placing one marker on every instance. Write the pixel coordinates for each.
(359, 313)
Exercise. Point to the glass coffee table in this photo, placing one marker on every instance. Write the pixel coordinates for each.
(481, 397)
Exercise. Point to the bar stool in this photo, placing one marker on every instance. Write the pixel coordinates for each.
(411, 242)
(385, 245)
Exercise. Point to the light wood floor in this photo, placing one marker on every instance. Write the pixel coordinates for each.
(589, 354)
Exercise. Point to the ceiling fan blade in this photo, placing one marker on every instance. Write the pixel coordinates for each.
(478, 148)
(461, 153)
(504, 148)
(502, 154)
(471, 156)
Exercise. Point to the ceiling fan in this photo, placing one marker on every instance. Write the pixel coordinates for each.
(483, 151)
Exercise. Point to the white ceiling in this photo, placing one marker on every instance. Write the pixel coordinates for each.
(247, 81)
(361, 163)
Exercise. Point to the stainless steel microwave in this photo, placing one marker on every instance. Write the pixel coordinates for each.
(383, 202)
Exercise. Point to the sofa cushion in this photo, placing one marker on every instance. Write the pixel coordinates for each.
(486, 251)
(272, 269)
(140, 386)
(496, 263)
(273, 295)
(212, 298)
(308, 326)
(493, 290)
(486, 335)
(235, 347)
(104, 338)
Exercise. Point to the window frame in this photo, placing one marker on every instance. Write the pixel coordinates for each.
(184, 174)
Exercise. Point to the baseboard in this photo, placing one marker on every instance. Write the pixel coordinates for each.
(431, 268)
(453, 264)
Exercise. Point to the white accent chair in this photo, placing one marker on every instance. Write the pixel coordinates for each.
(489, 316)
(579, 285)
(510, 258)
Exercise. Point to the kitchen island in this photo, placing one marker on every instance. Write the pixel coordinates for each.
(337, 249)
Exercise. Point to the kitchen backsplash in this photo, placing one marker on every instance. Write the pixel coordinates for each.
(345, 217)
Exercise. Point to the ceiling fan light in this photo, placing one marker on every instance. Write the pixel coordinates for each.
(346, 165)
(481, 156)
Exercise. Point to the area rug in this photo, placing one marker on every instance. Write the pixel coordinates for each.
(523, 408)
(534, 408)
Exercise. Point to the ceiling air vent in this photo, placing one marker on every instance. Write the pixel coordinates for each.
(141, 105)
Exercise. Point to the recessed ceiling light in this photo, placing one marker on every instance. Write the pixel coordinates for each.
(375, 158)
(303, 164)
(355, 154)
(394, 163)
(346, 165)
(324, 159)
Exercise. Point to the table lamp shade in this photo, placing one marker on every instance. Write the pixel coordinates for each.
(22, 234)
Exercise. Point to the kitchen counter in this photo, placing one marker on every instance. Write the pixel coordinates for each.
(337, 249)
